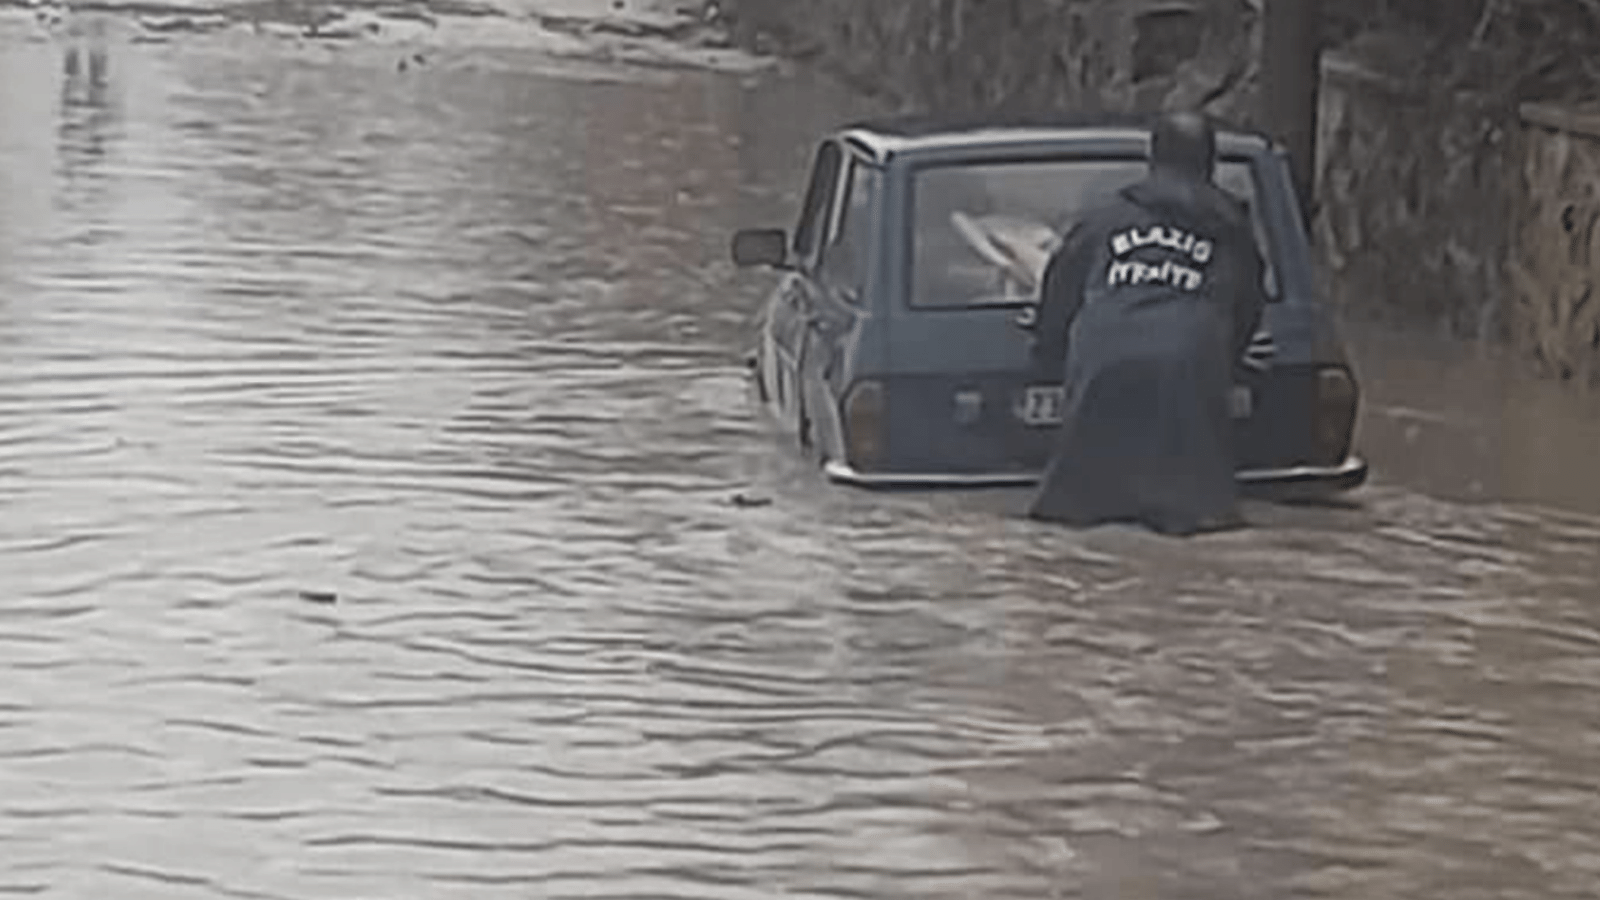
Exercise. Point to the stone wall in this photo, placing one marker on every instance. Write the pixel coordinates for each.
(1412, 194)
(1555, 263)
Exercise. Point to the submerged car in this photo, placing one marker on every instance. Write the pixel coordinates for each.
(895, 346)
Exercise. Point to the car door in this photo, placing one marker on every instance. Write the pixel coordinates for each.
(791, 310)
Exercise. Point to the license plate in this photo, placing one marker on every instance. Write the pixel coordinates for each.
(1041, 406)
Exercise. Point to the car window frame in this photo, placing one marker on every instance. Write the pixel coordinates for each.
(1272, 258)
(814, 222)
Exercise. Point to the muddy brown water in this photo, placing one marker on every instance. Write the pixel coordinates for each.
(459, 345)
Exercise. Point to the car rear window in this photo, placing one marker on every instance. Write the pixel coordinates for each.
(981, 231)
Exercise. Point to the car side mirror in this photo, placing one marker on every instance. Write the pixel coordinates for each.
(761, 247)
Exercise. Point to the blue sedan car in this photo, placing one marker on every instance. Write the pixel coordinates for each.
(894, 348)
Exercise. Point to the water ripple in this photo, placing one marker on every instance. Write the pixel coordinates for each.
(458, 349)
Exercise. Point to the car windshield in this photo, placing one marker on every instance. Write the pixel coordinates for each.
(981, 233)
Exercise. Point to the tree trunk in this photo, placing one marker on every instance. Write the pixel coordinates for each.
(1291, 73)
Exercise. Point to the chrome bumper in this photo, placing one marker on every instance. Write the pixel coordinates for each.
(1351, 473)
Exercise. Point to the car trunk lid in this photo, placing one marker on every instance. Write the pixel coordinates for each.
(957, 396)
(962, 399)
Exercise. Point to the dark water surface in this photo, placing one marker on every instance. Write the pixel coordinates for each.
(459, 344)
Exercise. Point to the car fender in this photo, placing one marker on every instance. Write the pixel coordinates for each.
(811, 403)
(784, 337)
(825, 431)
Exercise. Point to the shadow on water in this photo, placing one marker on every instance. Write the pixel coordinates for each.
(461, 346)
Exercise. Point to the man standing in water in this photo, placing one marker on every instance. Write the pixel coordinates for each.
(1152, 302)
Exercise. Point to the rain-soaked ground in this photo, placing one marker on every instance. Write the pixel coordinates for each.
(446, 329)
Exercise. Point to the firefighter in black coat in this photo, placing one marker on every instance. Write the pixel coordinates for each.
(1149, 305)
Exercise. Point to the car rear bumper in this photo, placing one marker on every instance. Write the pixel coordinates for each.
(1350, 474)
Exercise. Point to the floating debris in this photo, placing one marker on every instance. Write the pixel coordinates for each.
(319, 596)
(748, 501)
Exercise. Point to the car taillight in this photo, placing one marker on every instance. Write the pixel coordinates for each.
(1335, 414)
(864, 424)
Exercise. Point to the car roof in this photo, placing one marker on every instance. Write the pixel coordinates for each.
(885, 137)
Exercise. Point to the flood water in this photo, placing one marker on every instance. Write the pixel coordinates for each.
(457, 342)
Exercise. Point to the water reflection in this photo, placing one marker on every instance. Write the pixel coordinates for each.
(461, 345)
(89, 118)
(1470, 423)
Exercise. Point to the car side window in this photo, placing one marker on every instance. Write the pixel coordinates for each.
(813, 225)
(847, 255)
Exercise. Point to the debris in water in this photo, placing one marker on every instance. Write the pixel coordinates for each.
(747, 501)
(319, 596)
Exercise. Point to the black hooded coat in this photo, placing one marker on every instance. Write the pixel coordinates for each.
(1149, 305)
